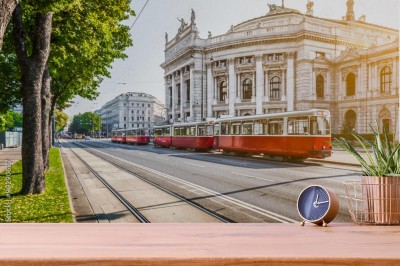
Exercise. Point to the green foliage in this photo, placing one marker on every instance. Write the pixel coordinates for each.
(85, 123)
(61, 120)
(49, 207)
(9, 120)
(87, 36)
(383, 154)
(86, 40)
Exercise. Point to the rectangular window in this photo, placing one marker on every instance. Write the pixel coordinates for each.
(210, 130)
(320, 125)
(235, 129)
(182, 131)
(192, 131)
(275, 126)
(258, 127)
(201, 131)
(176, 131)
(247, 129)
(224, 128)
(298, 125)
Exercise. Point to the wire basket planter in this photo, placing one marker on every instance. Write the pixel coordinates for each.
(376, 201)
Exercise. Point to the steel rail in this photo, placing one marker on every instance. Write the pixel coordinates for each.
(194, 204)
(118, 195)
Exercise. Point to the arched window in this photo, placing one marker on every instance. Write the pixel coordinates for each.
(349, 121)
(351, 84)
(222, 91)
(275, 88)
(247, 89)
(385, 118)
(320, 86)
(386, 75)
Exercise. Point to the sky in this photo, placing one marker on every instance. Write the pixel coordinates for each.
(141, 71)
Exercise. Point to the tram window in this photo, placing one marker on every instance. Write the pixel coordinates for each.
(224, 128)
(158, 132)
(235, 129)
(176, 131)
(275, 126)
(217, 129)
(201, 131)
(187, 131)
(298, 125)
(182, 131)
(320, 125)
(247, 129)
(259, 127)
(210, 130)
(192, 131)
(167, 131)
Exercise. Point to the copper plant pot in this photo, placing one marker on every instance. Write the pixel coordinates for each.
(381, 199)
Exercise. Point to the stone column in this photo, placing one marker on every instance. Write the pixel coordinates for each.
(369, 79)
(284, 85)
(267, 89)
(375, 80)
(232, 87)
(238, 92)
(173, 98)
(327, 86)
(191, 77)
(253, 88)
(210, 90)
(290, 82)
(183, 99)
(166, 97)
(259, 85)
(313, 87)
(393, 85)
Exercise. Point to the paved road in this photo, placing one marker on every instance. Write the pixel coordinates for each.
(242, 189)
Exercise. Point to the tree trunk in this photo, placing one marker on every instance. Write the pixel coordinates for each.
(6, 10)
(32, 69)
(46, 118)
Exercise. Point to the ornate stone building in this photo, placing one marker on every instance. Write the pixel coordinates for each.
(286, 61)
(131, 110)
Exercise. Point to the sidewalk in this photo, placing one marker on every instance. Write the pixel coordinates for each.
(341, 157)
(9, 154)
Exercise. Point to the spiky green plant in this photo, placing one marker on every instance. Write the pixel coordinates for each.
(383, 155)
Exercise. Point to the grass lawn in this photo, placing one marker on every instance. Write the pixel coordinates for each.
(49, 207)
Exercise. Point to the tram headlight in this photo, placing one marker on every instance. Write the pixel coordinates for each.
(323, 147)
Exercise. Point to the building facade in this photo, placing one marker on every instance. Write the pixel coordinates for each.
(286, 61)
(132, 110)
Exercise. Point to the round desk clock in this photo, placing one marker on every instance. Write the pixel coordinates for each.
(317, 205)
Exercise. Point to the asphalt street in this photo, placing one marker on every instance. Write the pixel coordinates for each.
(241, 189)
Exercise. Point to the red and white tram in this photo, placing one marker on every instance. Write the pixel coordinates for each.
(137, 136)
(300, 134)
(162, 136)
(119, 136)
(196, 136)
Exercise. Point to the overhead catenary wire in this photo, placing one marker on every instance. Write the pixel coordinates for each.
(139, 14)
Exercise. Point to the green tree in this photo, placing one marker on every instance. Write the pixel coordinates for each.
(86, 123)
(10, 119)
(87, 36)
(61, 120)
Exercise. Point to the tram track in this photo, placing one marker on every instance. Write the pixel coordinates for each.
(208, 192)
(125, 202)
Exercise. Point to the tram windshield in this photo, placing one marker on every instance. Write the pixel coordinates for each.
(320, 125)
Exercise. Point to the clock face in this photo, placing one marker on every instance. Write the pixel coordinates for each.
(313, 203)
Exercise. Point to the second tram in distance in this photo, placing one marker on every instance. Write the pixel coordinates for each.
(295, 135)
(131, 136)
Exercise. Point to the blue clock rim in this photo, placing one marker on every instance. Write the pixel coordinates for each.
(327, 210)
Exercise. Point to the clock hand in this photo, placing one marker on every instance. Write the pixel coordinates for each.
(316, 201)
(323, 202)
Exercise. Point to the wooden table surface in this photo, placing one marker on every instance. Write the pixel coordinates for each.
(198, 244)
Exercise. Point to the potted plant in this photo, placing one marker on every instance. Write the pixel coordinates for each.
(380, 179)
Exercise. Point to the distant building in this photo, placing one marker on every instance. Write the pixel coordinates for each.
(131, 110)
(286, 61)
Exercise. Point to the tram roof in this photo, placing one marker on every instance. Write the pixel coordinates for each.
(316, 112)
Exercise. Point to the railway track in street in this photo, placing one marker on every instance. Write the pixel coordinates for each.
(132, 209)
(206, 193)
